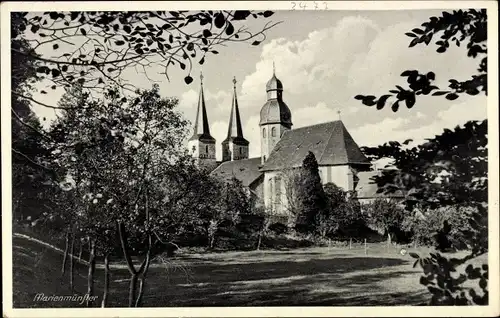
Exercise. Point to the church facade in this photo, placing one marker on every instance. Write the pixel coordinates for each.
(269, 177)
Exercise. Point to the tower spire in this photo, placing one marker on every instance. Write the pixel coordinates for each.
(201, 126)
(235, 146)
(234, 129)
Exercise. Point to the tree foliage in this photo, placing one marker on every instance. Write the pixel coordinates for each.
(449, 170)
(310, 194)
(94, 48)
(456, 28)
(385, 215)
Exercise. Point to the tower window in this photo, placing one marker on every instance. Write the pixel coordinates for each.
(206, 148)
(240, 151)
(273, 132)
(264, 132)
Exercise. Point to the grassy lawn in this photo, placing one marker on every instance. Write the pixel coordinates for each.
(299, 277)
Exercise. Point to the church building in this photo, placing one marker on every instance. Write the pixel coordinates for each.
(282, 151)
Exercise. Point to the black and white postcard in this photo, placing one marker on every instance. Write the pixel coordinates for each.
(250, 159)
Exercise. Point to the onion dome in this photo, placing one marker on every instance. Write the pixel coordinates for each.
(275, 111)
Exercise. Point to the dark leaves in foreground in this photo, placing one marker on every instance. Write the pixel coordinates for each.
(141, 40)
(459, 26)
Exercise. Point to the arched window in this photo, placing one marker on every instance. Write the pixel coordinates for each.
(240, 151)
(271, 191)
(264, 132)
(206, 149)
(273, 132)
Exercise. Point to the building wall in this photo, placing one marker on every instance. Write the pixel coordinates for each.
(231, 151)
(203, 153)
(270, 134)
(342, 176)
(273, 190)
(257, 192)
(274, 185)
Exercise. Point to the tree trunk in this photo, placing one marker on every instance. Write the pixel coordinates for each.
(106, 281)
(142, 281)
(132, 289)
(65, 257)
(259, 241)
(80, 252)
(72, 263)
(90, 276)
(212, 240)
(133, 272)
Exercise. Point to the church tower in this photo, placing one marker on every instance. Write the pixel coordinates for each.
(235, 146)
(275, 117)
(202, 144)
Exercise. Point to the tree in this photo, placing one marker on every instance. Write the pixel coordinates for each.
(310, 195)
(94, 48)
(229, 202)
(460, 26)
(344, 217)
(385, 215)
(127, 194)
(288, 200)
(28, 142)
(450, 169)
(427, 228)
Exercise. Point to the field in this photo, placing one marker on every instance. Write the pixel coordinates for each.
(299, 277)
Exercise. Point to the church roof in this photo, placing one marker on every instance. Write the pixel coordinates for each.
(246, 170)
(366, 187)
(275, 111)
(330, 142)
(234, 131)
(201, 129)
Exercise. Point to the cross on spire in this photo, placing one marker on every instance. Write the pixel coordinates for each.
(234, 81)
(201, 78)
(274, 69)
(338, 112)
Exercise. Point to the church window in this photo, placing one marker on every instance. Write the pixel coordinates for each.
(240, 151)
(206, 148)
(264, 132)
(277, 182)
(273, 132)
(271, 190)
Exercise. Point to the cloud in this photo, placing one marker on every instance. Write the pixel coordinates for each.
(322, 73)
(400, 129)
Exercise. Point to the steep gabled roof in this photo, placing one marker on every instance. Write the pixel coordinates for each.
(330, 142)
(247, 170)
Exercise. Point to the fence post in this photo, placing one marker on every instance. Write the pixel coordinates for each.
(329, 244)
(365, 247)
(350, 243)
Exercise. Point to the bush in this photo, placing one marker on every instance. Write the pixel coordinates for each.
(427, 226)
(278, 228)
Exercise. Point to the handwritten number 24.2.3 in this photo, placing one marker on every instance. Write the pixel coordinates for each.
(314, 5)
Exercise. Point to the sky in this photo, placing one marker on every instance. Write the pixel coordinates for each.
(324, 59)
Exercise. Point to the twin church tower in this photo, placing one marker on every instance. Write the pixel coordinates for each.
(275, 119)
